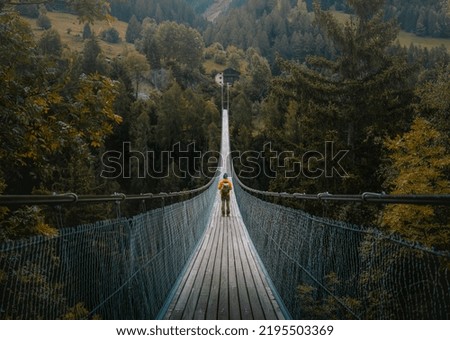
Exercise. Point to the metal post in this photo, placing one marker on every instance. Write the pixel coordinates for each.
(222, 95)
(228, 97)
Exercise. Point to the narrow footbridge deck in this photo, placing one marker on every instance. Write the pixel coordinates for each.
(225, 278)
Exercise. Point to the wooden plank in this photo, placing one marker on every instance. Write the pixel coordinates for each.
(253, 274)
(268, 301)
(176, 308)
(263, 302)
(244, 299)
(262, 298)
(223, 312)
(214, 296)
(193, 274)
(252, 289)
(191, 304)
(206, 287)
(233, 296)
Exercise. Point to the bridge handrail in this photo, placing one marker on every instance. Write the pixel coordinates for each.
(72, 198)
(367, 197)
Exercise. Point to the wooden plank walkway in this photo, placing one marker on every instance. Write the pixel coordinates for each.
(224, 280)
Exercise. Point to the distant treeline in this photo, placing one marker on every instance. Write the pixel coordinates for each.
(286, 27)
(180, 11)
(422, 17)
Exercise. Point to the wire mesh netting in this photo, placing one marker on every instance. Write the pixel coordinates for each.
(325, 269)
(117, 269)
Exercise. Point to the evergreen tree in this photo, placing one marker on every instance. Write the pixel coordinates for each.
(30, 11)
(110, 35)
(421, 26)
(296, 46)
(134, 30)
(258, 77)
(159, 15)
(87, 32)
(141, 137)
(50, 43)
(148, 45)
(91, 52)
(372, 81)
(43, 21)
(434, 103)
(353, 100)
(241, 108)
(170, 112)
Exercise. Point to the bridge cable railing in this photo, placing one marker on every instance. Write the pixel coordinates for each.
(327, 269)
(122, 268)
(366, 197)
(72, 198)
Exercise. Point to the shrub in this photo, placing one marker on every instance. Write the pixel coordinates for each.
(44, 22)
(111, 35)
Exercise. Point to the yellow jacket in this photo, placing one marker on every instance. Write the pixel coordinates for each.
(222, 182)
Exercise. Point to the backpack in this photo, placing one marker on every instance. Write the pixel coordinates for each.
(225, 191)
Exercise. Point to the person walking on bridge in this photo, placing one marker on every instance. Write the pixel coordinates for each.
(225, 188)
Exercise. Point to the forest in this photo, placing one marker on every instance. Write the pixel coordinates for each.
(307, 78)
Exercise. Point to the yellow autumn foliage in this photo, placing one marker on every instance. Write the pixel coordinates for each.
(46, 230)
(419, 162)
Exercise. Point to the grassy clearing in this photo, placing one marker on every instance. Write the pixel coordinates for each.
(405, 38)
(210, 66)
(71, 32)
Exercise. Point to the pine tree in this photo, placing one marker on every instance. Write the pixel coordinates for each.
(91, 52)
(43, 21)
(354, 99)
(148, 45)
(434, 102)
(110, 35)
(259, 76)
(134, 30)
(296, 46)
(87, 32)
(421, 26)
(171, 109)
(50, 43)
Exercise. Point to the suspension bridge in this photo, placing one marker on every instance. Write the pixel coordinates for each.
(186, 261)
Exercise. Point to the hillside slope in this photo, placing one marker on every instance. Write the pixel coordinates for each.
(217, 8)
(71, 32)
